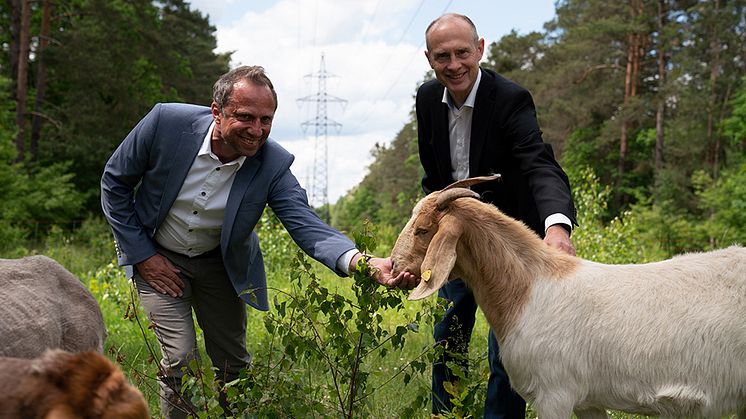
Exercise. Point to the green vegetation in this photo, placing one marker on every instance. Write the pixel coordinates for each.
(643, 102)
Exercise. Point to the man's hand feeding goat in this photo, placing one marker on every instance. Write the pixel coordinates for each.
(665, 338)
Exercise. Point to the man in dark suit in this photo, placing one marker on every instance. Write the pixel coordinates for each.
(472, 122)
(182, 194)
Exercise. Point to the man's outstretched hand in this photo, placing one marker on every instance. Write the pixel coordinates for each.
(381, 273)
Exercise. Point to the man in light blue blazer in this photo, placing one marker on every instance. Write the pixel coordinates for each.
(183, 193)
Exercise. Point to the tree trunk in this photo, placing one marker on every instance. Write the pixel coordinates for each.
(22, 79)
(713, 142)
(661, 108)
(41, 80)
(627, 89)
(15, 30)
(634, 52)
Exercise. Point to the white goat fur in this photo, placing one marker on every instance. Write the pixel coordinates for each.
(665, 338)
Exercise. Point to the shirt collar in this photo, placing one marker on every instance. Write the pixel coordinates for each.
(469, 99)
(206, 148)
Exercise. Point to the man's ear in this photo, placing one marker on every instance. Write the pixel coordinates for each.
(440, 258)
(427, 55)
(216, 113)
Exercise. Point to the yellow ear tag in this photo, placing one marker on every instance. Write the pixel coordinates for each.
(426, 275)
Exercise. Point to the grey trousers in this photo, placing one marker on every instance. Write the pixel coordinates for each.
(219, 312)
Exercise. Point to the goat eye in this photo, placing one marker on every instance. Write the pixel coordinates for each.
(420, 231)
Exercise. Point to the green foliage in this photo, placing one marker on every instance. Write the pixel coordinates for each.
(30, 199)
(111, 62)
(516, 53)
(321, 349)
(277, 246)
(46, 196)
(734, 127)
(724, 200)
(616, 241)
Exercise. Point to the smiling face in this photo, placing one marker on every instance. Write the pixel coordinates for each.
(243, 125)
(454, 52)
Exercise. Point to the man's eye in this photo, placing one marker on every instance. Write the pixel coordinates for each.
(442, 57)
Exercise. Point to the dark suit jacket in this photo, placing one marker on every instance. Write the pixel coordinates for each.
(143, 177)
(505, 139)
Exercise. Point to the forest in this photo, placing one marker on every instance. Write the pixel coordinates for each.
(644, 103)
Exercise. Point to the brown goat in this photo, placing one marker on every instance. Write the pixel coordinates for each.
(64, 385)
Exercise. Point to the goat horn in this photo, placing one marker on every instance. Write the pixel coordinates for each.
(465, 183)
(446, 196)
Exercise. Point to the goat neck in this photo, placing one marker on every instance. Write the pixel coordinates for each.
(500, 259)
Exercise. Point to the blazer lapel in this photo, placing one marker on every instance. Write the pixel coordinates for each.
(240, 184)
(483, 105)
(184, 152)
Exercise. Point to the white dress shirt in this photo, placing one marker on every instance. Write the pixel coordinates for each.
(194, 222)
(459, 135)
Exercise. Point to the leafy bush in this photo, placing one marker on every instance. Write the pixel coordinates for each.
(321, 350)
(617, 241)
(33, 202)
(724, 203)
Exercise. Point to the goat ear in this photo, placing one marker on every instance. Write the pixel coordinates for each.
(439, 259)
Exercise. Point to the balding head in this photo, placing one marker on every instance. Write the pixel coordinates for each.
(449, 17)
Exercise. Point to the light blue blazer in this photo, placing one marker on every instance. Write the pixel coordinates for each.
(144, 175)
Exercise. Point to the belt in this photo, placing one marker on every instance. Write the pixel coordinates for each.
(215, 252)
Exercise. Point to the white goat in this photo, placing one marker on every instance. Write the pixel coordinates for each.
(665, 338)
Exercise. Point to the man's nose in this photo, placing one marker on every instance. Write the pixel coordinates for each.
(254, 127)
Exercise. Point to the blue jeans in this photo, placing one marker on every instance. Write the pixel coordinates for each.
(455, 329)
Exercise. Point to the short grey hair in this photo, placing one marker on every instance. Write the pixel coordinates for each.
(222, 90)
(448, 16)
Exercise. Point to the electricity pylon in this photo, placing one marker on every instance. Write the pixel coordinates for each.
(319, 195)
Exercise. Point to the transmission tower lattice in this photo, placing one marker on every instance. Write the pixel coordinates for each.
(319, 196)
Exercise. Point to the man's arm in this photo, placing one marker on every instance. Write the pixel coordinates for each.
(547, 181)
(425, 140)
(122, 174)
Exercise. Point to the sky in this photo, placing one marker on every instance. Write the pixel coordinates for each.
(373, 60)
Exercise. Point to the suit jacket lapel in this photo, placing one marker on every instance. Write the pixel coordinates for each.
(240, 184)
(483, 105)
(184, 152)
